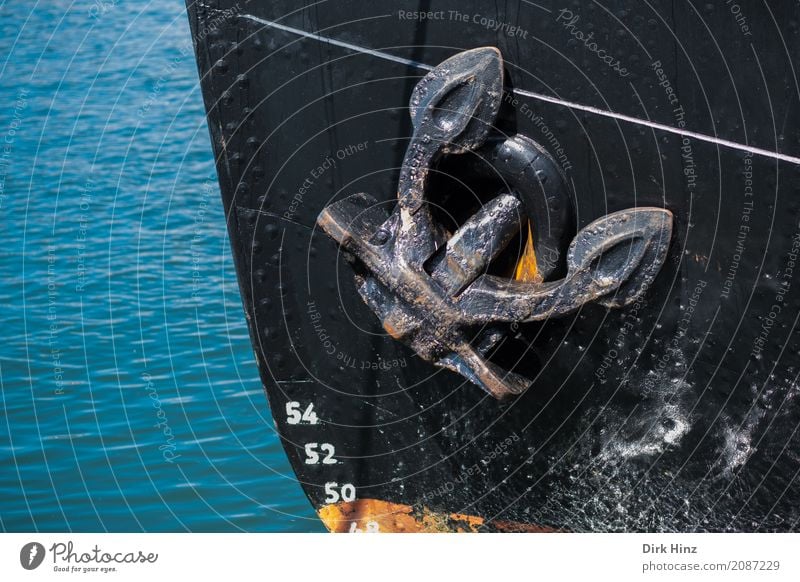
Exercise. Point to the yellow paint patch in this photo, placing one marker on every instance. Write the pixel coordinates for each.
(374, 515)
(527, 269)
(387, 325)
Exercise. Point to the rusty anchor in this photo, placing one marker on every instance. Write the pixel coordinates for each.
(431, 289)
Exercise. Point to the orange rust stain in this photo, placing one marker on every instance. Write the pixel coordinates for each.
(516, 527)
(527, 270)
(390, 329)
(375, 515)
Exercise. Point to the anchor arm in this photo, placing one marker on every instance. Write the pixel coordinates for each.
(612, 261)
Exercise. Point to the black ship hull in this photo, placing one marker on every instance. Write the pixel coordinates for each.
(678, 412)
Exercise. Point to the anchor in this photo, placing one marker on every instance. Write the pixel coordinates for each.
(432, 289)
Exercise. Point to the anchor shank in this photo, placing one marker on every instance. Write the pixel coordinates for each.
(477, 243)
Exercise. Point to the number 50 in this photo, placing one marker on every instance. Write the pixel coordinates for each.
(333, 492)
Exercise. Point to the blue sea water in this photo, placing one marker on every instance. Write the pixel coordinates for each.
(130, 395)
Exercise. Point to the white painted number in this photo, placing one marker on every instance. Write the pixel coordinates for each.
(294, 416)
(348, 492)
(333, 492)
(313, 457)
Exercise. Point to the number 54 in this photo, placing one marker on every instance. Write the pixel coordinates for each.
(295, 416)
